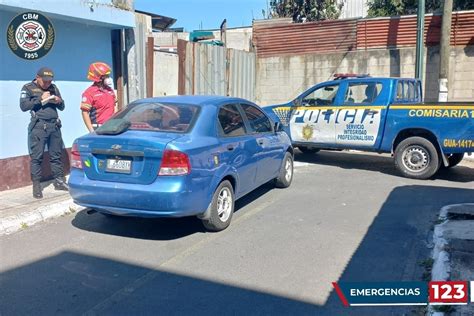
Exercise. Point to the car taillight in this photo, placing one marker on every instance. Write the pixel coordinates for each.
(174, 163)
(75, 157)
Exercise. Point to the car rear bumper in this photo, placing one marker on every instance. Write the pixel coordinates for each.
(166, 197)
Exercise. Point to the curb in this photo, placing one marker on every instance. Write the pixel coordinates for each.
(441, 269)
(23, 220)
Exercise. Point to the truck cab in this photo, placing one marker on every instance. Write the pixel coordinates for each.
(377, 114)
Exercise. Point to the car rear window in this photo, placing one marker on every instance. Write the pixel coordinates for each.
(160, 116)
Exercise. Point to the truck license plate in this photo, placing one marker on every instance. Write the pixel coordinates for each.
(119, 165)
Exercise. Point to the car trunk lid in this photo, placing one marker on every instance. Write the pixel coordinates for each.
(131, 157)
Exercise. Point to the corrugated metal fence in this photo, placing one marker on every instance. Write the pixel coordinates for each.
(215, 70)
(357, 34)
(305, 38)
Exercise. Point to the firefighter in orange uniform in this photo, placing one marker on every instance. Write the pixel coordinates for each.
(98, 101)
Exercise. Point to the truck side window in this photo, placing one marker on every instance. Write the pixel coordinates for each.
(400, 94)
(362, 93)
(418, 91)
(411, 91)
(321, 96)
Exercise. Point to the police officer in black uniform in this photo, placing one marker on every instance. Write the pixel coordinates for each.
(42, 99)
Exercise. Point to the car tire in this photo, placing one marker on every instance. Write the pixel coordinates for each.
(308, 150)
(286, 172)
(417, 158)
(222, 208)
(454, 160)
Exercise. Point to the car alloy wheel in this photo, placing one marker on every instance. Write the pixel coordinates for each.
(224, 204)
(221, 209)
(288, 170)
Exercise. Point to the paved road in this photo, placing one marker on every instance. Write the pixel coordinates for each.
(347, 217)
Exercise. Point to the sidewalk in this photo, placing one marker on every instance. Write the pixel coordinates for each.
(453, 252)
(19, 210)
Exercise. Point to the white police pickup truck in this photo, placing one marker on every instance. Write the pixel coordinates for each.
(384, 115)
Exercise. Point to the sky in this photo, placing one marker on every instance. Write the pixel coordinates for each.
(210, 13)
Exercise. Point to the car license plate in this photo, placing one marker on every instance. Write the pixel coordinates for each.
(119, 165)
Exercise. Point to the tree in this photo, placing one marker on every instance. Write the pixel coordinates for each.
(305, 10)
(403, 7)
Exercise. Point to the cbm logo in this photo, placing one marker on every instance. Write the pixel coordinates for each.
(30, 35)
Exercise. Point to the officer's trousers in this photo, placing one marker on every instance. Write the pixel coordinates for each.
(46, 133)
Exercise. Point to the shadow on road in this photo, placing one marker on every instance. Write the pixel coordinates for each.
(153, 228)
(376, 163)
(74, 283)
(71, 283)
(397, 241)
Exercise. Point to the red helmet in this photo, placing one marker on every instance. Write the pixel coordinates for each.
(97, 70)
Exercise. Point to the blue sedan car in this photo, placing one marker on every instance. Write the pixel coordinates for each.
(180, 156)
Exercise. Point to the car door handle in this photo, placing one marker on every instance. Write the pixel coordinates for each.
(230, 147)
(260, 141)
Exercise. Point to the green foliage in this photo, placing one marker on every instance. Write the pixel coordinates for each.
(404, 7)
(306, 10)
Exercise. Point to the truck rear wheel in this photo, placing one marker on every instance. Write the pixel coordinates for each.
(417, 158)
(454, 160)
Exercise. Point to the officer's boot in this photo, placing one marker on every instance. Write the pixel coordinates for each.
(60, 184)
(37, 190)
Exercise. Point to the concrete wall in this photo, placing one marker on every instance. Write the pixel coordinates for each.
(165, 74)
(75, 47)
(169, 39)
(237, 38)
(280, 79)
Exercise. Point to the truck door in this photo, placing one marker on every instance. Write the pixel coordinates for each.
(312, 123)
(360, 119)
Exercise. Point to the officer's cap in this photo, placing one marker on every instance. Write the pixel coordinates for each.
(45, 73)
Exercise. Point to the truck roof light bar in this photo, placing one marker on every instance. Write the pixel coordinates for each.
(345, 76)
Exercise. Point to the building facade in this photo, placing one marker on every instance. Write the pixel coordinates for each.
(83, 34)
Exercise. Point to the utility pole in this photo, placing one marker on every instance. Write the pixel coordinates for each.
(420, 32)
(445, 51)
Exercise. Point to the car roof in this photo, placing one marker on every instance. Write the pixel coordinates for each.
(210, 100)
